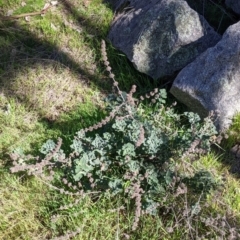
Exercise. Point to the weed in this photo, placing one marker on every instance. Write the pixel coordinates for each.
(127, 153)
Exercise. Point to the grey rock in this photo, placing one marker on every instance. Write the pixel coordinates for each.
(212, 81)
(160, 37)
(234, 5)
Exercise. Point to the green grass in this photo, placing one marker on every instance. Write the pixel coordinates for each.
(234, 132)
(52, 83)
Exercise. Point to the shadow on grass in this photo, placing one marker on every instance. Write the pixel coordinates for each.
(21, 49)
(35, 51)
(118, 60)
(215, 13)
(70, 123)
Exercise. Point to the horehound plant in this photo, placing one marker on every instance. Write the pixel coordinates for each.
(130, 152)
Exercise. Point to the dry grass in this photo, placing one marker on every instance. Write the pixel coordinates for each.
(46, 88)
(21, 209)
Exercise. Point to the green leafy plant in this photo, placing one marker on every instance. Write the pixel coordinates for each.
(129, 152)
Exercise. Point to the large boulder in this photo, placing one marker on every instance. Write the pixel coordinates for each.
(212, 81)
(160, 37)
(234, 5)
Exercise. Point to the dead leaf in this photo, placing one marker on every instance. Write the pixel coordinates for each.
(27, 18)
(46, 6)
(23, 4)
(86, 3)
(9, 13)
(53, 27)
(54, 3)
